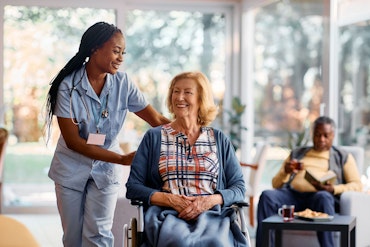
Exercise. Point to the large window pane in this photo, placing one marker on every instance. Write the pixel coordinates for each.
(161, 44)
(288, 62)
(354, 86)
(37, 43)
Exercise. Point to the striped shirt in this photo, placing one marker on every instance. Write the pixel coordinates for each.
(188, 170)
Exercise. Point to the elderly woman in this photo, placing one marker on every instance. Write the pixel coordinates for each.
(187, 174)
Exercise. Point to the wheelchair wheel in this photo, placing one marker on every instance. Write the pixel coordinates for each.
(133, 233)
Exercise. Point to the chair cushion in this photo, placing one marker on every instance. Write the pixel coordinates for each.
(14, 234)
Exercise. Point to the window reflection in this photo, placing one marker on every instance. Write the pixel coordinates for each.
(354, 84)
(288, 61)
(161, 44)
(37, 43)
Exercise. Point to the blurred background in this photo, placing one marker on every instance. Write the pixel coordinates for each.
(274, 67)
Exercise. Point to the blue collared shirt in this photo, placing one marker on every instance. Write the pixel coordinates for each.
(118, 96)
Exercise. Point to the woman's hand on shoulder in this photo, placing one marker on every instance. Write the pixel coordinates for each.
(152, 116)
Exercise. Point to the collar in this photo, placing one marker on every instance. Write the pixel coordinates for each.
(86, 86)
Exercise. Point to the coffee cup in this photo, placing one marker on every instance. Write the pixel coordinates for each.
(287, 212)
(298, 165)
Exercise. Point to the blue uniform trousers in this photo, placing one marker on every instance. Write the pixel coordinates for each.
(87, 216)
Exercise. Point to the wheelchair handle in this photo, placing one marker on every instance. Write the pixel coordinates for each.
(242, 204)
(137, 203)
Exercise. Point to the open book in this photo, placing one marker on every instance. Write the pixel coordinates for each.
(328, 177)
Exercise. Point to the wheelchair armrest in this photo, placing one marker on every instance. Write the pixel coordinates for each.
(137, 203)
(239, 207)
(241, 204)
(140, 214)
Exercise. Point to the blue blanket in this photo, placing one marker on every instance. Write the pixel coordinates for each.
(214, 228)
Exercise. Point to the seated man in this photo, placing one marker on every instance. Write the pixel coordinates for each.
(291, 187)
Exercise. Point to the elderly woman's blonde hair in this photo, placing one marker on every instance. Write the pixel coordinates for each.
(207, 108)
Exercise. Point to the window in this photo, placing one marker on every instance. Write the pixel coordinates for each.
(160, 44)
(38, 42)
(354, 84)
(288, 84)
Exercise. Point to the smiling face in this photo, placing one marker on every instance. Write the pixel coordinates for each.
(323, 136)
(109, 56)
(185, 99)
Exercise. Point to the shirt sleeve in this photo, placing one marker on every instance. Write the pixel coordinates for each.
(136, 99)
(351, 177)
(281, 177)
(144, 177)
(63, 107)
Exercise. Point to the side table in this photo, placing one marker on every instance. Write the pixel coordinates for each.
(346, 225)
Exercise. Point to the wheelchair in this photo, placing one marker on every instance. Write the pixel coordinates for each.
(133, 233)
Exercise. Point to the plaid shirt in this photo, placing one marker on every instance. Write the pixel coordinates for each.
(188, 170)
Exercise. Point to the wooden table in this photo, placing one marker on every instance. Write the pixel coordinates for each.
(346, 225)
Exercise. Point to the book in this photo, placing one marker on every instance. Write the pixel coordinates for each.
(330, 177)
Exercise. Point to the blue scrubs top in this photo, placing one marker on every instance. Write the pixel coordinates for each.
(119, 95)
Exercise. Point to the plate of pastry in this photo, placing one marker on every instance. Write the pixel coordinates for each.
(311, 215)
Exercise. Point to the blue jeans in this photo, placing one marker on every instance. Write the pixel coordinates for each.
(271, 200)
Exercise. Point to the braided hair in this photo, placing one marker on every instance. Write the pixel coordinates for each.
(93, 38)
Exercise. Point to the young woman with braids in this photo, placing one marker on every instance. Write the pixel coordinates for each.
(90, 99)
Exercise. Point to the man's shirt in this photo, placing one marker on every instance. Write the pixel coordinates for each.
(317, 162)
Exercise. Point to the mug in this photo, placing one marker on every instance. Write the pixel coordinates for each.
(287, 212)
(298, 165)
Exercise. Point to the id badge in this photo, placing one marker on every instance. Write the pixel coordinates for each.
(96, 139)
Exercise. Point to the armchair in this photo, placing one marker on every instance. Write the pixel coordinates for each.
(351, 203)
(15, 234)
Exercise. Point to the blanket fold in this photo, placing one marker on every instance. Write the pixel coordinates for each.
(214, 228)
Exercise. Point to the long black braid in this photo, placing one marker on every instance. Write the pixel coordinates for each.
(93, 38)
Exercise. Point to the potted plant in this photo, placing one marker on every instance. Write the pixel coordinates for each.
(299, 138)
(234, 127)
